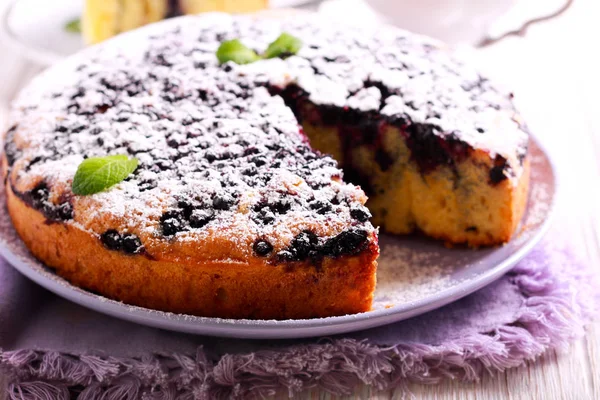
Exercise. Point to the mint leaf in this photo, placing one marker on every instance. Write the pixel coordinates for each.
(98, 173)
(73, 26)
(284, 45)
(234, 50)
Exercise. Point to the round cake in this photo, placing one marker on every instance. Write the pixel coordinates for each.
(248, 197)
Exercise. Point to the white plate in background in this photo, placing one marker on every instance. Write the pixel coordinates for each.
(36, 28)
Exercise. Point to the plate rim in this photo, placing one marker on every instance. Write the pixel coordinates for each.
(288, 329)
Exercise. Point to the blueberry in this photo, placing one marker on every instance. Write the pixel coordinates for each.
(210, 156)
(274, 146)
(223, 202)
(171, 223)
(187, 121)
(318, 184)
(200, 218)
(39, 195)
(172, 143)
(302, 149)
(303, 244)
(265, 178)
(250, 151)
(132, 244)
(147, 185)
(346, 243)
(263, 215)
(262, 247)
(112, 240)
(361, 214)
(426, 147)
(258, 161)
(286, 255)
(250, 171)
(320, 207)
(65, 211)
(383, 159)
(281, 206)
(101, 109)
(52, 212)
(34, 161)
(186, 207)
(162, 165)
(497, 173)
(80, 93)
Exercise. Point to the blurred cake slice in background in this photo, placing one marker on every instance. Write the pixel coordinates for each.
(103, 19)
(235, 6)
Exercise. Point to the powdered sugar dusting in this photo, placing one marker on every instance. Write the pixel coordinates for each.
(405, 274)
(219, 154)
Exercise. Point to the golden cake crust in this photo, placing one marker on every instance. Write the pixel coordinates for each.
(205, 285)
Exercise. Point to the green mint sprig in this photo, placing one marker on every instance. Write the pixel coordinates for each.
(73, 26)
(236, 51)
(99, 173)
(285, 44)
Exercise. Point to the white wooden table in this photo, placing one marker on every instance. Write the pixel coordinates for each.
(554, 71)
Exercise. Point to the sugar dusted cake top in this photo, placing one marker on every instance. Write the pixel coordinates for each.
(219, 154)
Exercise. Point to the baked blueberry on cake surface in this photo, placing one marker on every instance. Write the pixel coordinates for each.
(221, 206)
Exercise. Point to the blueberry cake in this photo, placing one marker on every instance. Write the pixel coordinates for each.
(248, 200)
(102, 19)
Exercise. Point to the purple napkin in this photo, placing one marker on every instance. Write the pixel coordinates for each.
(54, 349)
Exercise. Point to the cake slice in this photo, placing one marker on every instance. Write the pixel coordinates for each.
(421, 177)
(103, 19)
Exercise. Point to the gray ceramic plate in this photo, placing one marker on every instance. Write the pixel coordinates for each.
(415, 275)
